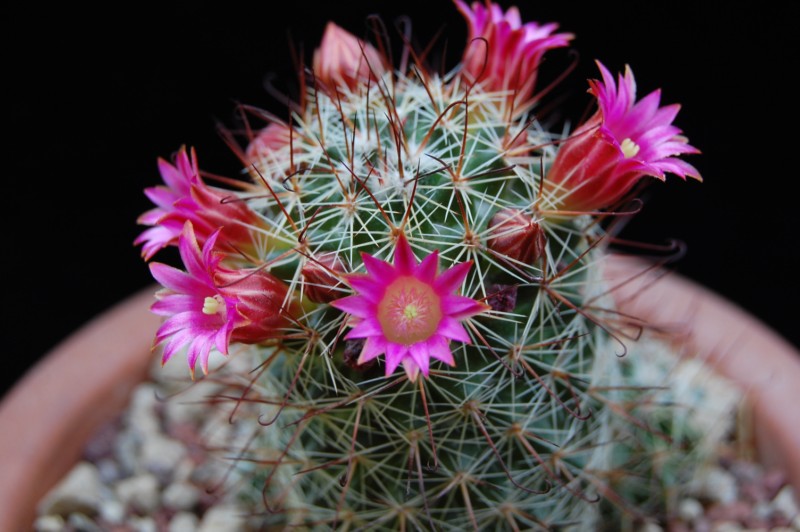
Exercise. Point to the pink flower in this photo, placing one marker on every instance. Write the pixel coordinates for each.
(187, 197)
(344, 59)
(210, 306)
(510, 56)
(408, 311)
(624, 141)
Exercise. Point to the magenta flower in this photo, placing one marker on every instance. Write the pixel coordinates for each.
(514, 50)
(408, 311)
(624, 141)
(187, 197)
(209, 306)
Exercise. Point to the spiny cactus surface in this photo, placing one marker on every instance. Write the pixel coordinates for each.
(415, 265)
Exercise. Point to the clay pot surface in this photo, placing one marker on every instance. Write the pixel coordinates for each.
(50, 414)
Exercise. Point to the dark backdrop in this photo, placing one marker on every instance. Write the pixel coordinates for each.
(93, 98)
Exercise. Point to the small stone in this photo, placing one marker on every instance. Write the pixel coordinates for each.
(112, 511)
(224, 517)
(49, 523)
(180, 496)
(762, 511)
(109, 470)
(143, 410)
(719, 486)
(183, 522)
(140, 492)
(690, 509)
(82, 523)
(785, 504)
(160, 454)
(142, 524)
(125, 453)
(726, 526)
(78, 492)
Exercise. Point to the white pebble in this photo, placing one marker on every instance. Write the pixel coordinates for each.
(183, 522)
(690, 509)
(762, 511)
(140, 492)
(160, 454)
(113, 511)
(785, 504)
(79, 491)
(142, 416)
(719, 486)
(142, 524)
(79, 521)
(49, 523)
(223, 518)
(180, 496)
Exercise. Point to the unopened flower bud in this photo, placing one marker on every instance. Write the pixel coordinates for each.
(261, 303)
(352, 350)
(515, 235)
(321, 283)
(502, 297)
(344, 59)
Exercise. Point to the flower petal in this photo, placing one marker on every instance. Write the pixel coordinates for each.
(450, 328)
(366, 328)
(356, 305)
(450, 280)
(394, 356)
(404, 260)
(373, 347)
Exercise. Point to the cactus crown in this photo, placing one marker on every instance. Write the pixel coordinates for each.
(400, 219)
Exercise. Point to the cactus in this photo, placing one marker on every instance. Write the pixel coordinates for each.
(415, 265)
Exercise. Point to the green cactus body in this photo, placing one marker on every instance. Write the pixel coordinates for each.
(513, 436)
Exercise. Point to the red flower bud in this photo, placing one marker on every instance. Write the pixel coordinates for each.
(261, 302)
(517, 236)
(321, 285)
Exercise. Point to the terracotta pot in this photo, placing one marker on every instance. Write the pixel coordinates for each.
(46, 419)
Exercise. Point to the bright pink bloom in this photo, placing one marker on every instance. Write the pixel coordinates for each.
(408, 311)
(187, 197)
(624, 141)
(210, 306)
(510, 56)
(344, 59)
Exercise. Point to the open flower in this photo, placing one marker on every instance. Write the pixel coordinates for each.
(344, 59)
(622, 142)
(187, 197)
(510, 56)
(209, 306)
(408, 311)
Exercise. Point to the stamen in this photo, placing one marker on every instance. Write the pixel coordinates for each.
(211, 305)
(409, 312)
(629, 148)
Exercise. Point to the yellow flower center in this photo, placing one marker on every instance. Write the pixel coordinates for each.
(211, 305)
(409, 312)
(629, 148)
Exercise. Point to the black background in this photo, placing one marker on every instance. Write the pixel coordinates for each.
(94, 97)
